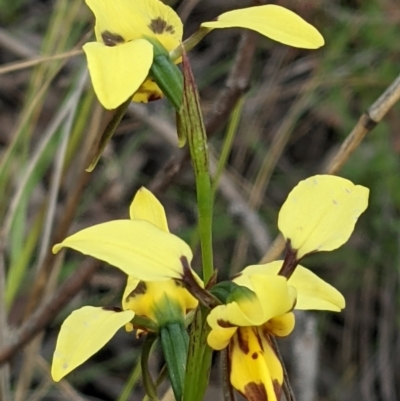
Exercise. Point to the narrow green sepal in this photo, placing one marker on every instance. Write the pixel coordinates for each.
(169, 78)
(166, 74)
(174, 341)
(228, 291)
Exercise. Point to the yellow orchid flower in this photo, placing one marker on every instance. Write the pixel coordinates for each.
(245, 324)
(320, 213)
(127, 32)
(88, 329)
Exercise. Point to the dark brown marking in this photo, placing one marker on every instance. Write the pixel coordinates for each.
(111, 39)
(265, 332)
(193, 287)
(140, 289)
(277, 389)
(170, 29)
(160, 26)
(179, 283)
(255, 392)
(112, 308)
(243, 342)
(254, 355)
(258, 336)
(224, 323)
(290, 262)
(153, 97)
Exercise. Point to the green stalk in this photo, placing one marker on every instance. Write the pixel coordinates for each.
(191, 127)
(199, 358)
(205, 207)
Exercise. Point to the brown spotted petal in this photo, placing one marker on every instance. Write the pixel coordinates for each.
(256, 371)
(134, 19)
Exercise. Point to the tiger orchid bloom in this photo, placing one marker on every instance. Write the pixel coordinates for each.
(130, 34)
(319, 215)
(146, 251)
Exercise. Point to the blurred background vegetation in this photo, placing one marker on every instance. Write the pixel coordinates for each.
(297, 109)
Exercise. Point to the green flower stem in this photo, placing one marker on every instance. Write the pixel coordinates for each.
(191, 127)
(174, 341)
(205, 207)
(199, 358)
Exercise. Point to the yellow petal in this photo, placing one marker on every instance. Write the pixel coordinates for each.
(275, 22)
(313, 293)
(145, 297)
(273, 297)
(137, 19)
(219, 337)
(320, 213)
(145, 206)
(137, 247)
(255, 369)
(83, 333)
(118, 71)
(280, 326)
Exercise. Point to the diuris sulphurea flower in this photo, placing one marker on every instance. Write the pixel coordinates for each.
(246, 322)
(319, 215)
(134, 38)
(145, 250)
